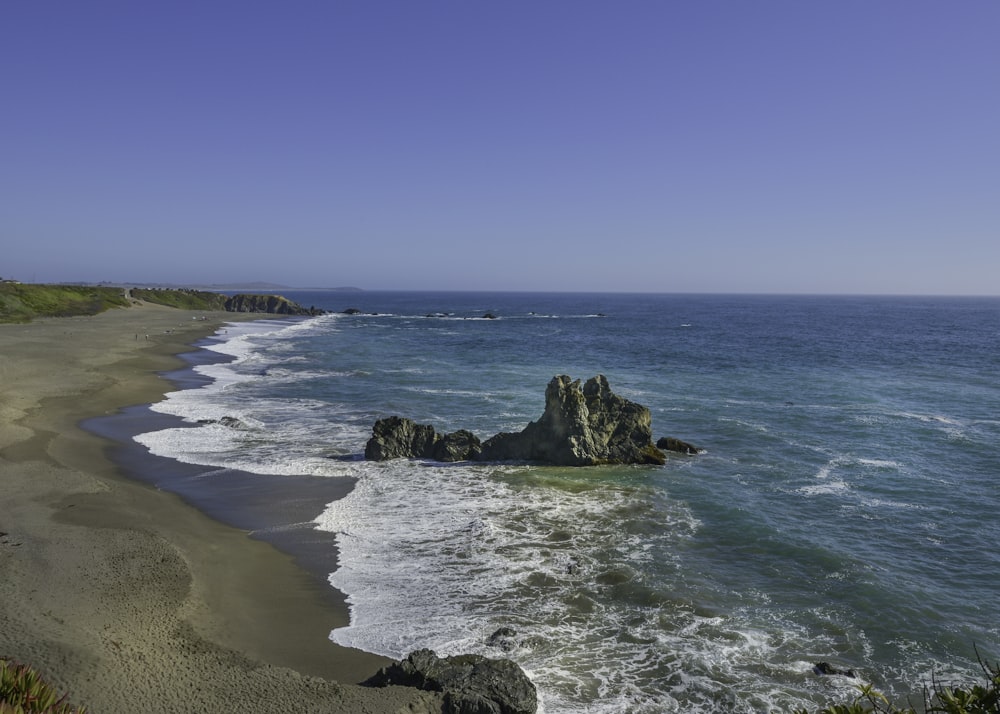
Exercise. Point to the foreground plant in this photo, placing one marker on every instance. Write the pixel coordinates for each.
(22, 691)
(941, 699)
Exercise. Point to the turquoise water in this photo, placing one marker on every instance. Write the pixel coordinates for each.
(844, 509)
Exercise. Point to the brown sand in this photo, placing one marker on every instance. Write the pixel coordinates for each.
(124, 596)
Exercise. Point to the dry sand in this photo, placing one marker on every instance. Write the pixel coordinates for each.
(122, 595)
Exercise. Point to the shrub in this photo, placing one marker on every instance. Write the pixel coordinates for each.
(22, 691)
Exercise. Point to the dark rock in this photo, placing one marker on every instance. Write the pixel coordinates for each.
(489, 316)
(471, 684)
(668, 443)
(400, 438)
(580, 427)
(827, 668)
(461, 445)
(352, 311)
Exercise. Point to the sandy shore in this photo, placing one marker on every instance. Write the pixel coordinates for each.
(123, 595)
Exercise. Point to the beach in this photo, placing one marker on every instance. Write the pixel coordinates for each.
(124, 596)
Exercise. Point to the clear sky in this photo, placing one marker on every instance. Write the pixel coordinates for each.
(699, 146)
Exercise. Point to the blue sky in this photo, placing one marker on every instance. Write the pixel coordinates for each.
(767, 146)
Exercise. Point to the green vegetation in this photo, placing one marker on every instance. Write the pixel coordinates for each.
(977, 699)
(22, 691)
(21, 302)
(182, 299)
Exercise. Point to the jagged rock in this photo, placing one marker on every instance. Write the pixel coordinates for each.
(580, 427)
(273, 304)
(352, 311)
(668, 443)
(471, 684)
(461, 445)
(400, 438)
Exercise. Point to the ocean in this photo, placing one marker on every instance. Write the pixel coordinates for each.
(844, 507)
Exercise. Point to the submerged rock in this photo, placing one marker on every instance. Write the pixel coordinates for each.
(581, 426)
(503, 638)
(827, 668)
(471, 684)
(668, 443)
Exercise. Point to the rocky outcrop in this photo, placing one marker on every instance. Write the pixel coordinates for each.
(581, 426)
(401, 438)
(471, 684)
(272, 304)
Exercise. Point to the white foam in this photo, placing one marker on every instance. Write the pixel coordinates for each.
(441, 556)
(838, 475)
(279, 436)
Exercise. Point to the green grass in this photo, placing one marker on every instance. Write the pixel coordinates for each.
(182, 299)
(20, 302)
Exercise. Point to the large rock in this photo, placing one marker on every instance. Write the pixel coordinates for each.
(401, 438)
(580, 427)
(471, 684)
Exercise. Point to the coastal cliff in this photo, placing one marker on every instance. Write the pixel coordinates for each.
(271, 304)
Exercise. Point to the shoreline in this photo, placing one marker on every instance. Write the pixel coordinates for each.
(279, 510)
(122, 595)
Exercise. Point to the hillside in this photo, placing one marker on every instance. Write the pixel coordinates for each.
(20, 302)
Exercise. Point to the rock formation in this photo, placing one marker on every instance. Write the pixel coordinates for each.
(471, 684)
(401, 438)
(581, 427)
(273, 304)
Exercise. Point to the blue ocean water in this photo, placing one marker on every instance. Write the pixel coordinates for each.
(844, 508)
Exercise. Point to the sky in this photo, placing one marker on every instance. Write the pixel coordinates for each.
(773, 146)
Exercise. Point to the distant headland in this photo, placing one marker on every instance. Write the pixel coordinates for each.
(24, 302)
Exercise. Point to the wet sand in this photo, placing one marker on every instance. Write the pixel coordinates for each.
(123, 595)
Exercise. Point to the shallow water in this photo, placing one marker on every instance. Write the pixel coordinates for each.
(843, 510)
